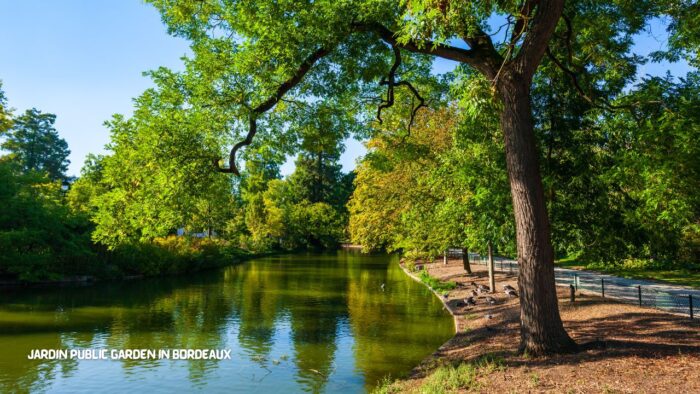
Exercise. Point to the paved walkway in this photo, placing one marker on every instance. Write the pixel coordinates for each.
(654, 294)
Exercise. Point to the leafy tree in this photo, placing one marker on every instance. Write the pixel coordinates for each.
(34, 142)
(443, 186)
(85, 190)
(277, 44)
(5, 113)
(262, 167)
(655, 166)
(286, 50)
(149, 187)
(39, 237)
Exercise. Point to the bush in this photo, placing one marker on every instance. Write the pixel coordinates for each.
(172, 255)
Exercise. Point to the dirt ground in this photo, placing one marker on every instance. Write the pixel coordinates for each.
(643, 350)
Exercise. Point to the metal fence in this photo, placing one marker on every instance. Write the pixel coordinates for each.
(640, 292)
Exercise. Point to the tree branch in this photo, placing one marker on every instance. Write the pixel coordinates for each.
(391, 82)
(427, 47)
(535, 43)
(522, 19)
(268, 104)
(594, 101)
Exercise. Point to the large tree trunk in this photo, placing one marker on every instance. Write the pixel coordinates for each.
(541, 328)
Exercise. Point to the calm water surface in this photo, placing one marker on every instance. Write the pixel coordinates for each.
(298, 323)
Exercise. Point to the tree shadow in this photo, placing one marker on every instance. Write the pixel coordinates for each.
(632, 332)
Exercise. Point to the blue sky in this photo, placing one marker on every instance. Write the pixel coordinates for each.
(83, 61)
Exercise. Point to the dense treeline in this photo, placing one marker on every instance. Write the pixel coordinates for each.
(45, 229)
(620, 185)
(618, 154)
(154, 205)
(158, 179)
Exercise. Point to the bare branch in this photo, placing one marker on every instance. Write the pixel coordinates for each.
(391, 82)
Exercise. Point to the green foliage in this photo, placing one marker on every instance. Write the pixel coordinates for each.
(169, 255)
(35, 144)
(443, 186)
(436, 284)
(39, 237)
(5, 113)
(159, 175)
(84, 191)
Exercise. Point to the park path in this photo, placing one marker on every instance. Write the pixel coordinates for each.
(665, 296)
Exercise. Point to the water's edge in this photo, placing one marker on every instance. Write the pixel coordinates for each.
(455, 317)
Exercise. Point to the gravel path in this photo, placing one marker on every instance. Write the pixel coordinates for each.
(673, 298)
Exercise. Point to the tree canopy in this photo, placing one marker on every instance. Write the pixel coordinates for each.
(256, 57)
(33, 140)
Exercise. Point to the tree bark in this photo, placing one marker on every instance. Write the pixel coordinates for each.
(465, 261)
(492, 279)
(542, 331)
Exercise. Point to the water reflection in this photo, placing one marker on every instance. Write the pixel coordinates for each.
(314, 323)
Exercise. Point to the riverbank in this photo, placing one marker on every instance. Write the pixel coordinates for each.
(162, 257)
(646, 350)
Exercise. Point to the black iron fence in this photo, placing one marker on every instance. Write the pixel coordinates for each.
(640, 292)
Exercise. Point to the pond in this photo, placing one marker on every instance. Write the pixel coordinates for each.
(293, 323)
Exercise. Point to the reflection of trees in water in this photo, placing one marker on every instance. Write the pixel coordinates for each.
(19, 375)
(256, 305)
(384, 322)
(157, 314)
(316, 303)
(313, 296)
(306, 296)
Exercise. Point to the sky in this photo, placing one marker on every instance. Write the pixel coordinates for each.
(83, 61)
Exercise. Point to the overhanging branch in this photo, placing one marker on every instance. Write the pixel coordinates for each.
(390, 81)
(268, 104)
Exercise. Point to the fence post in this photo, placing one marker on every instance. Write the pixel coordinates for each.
(572, 293)
(602, 286)
(576, 281)
(510, 265)
(639, 290)
(690, 304)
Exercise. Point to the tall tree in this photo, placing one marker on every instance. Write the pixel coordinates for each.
(284, 50)
(34, 142)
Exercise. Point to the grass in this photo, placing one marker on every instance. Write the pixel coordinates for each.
(435, 283)
(534, 380)
(448, 378)
(638, 269)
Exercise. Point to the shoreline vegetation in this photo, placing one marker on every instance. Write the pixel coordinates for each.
(618, 340)
(165, 256)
